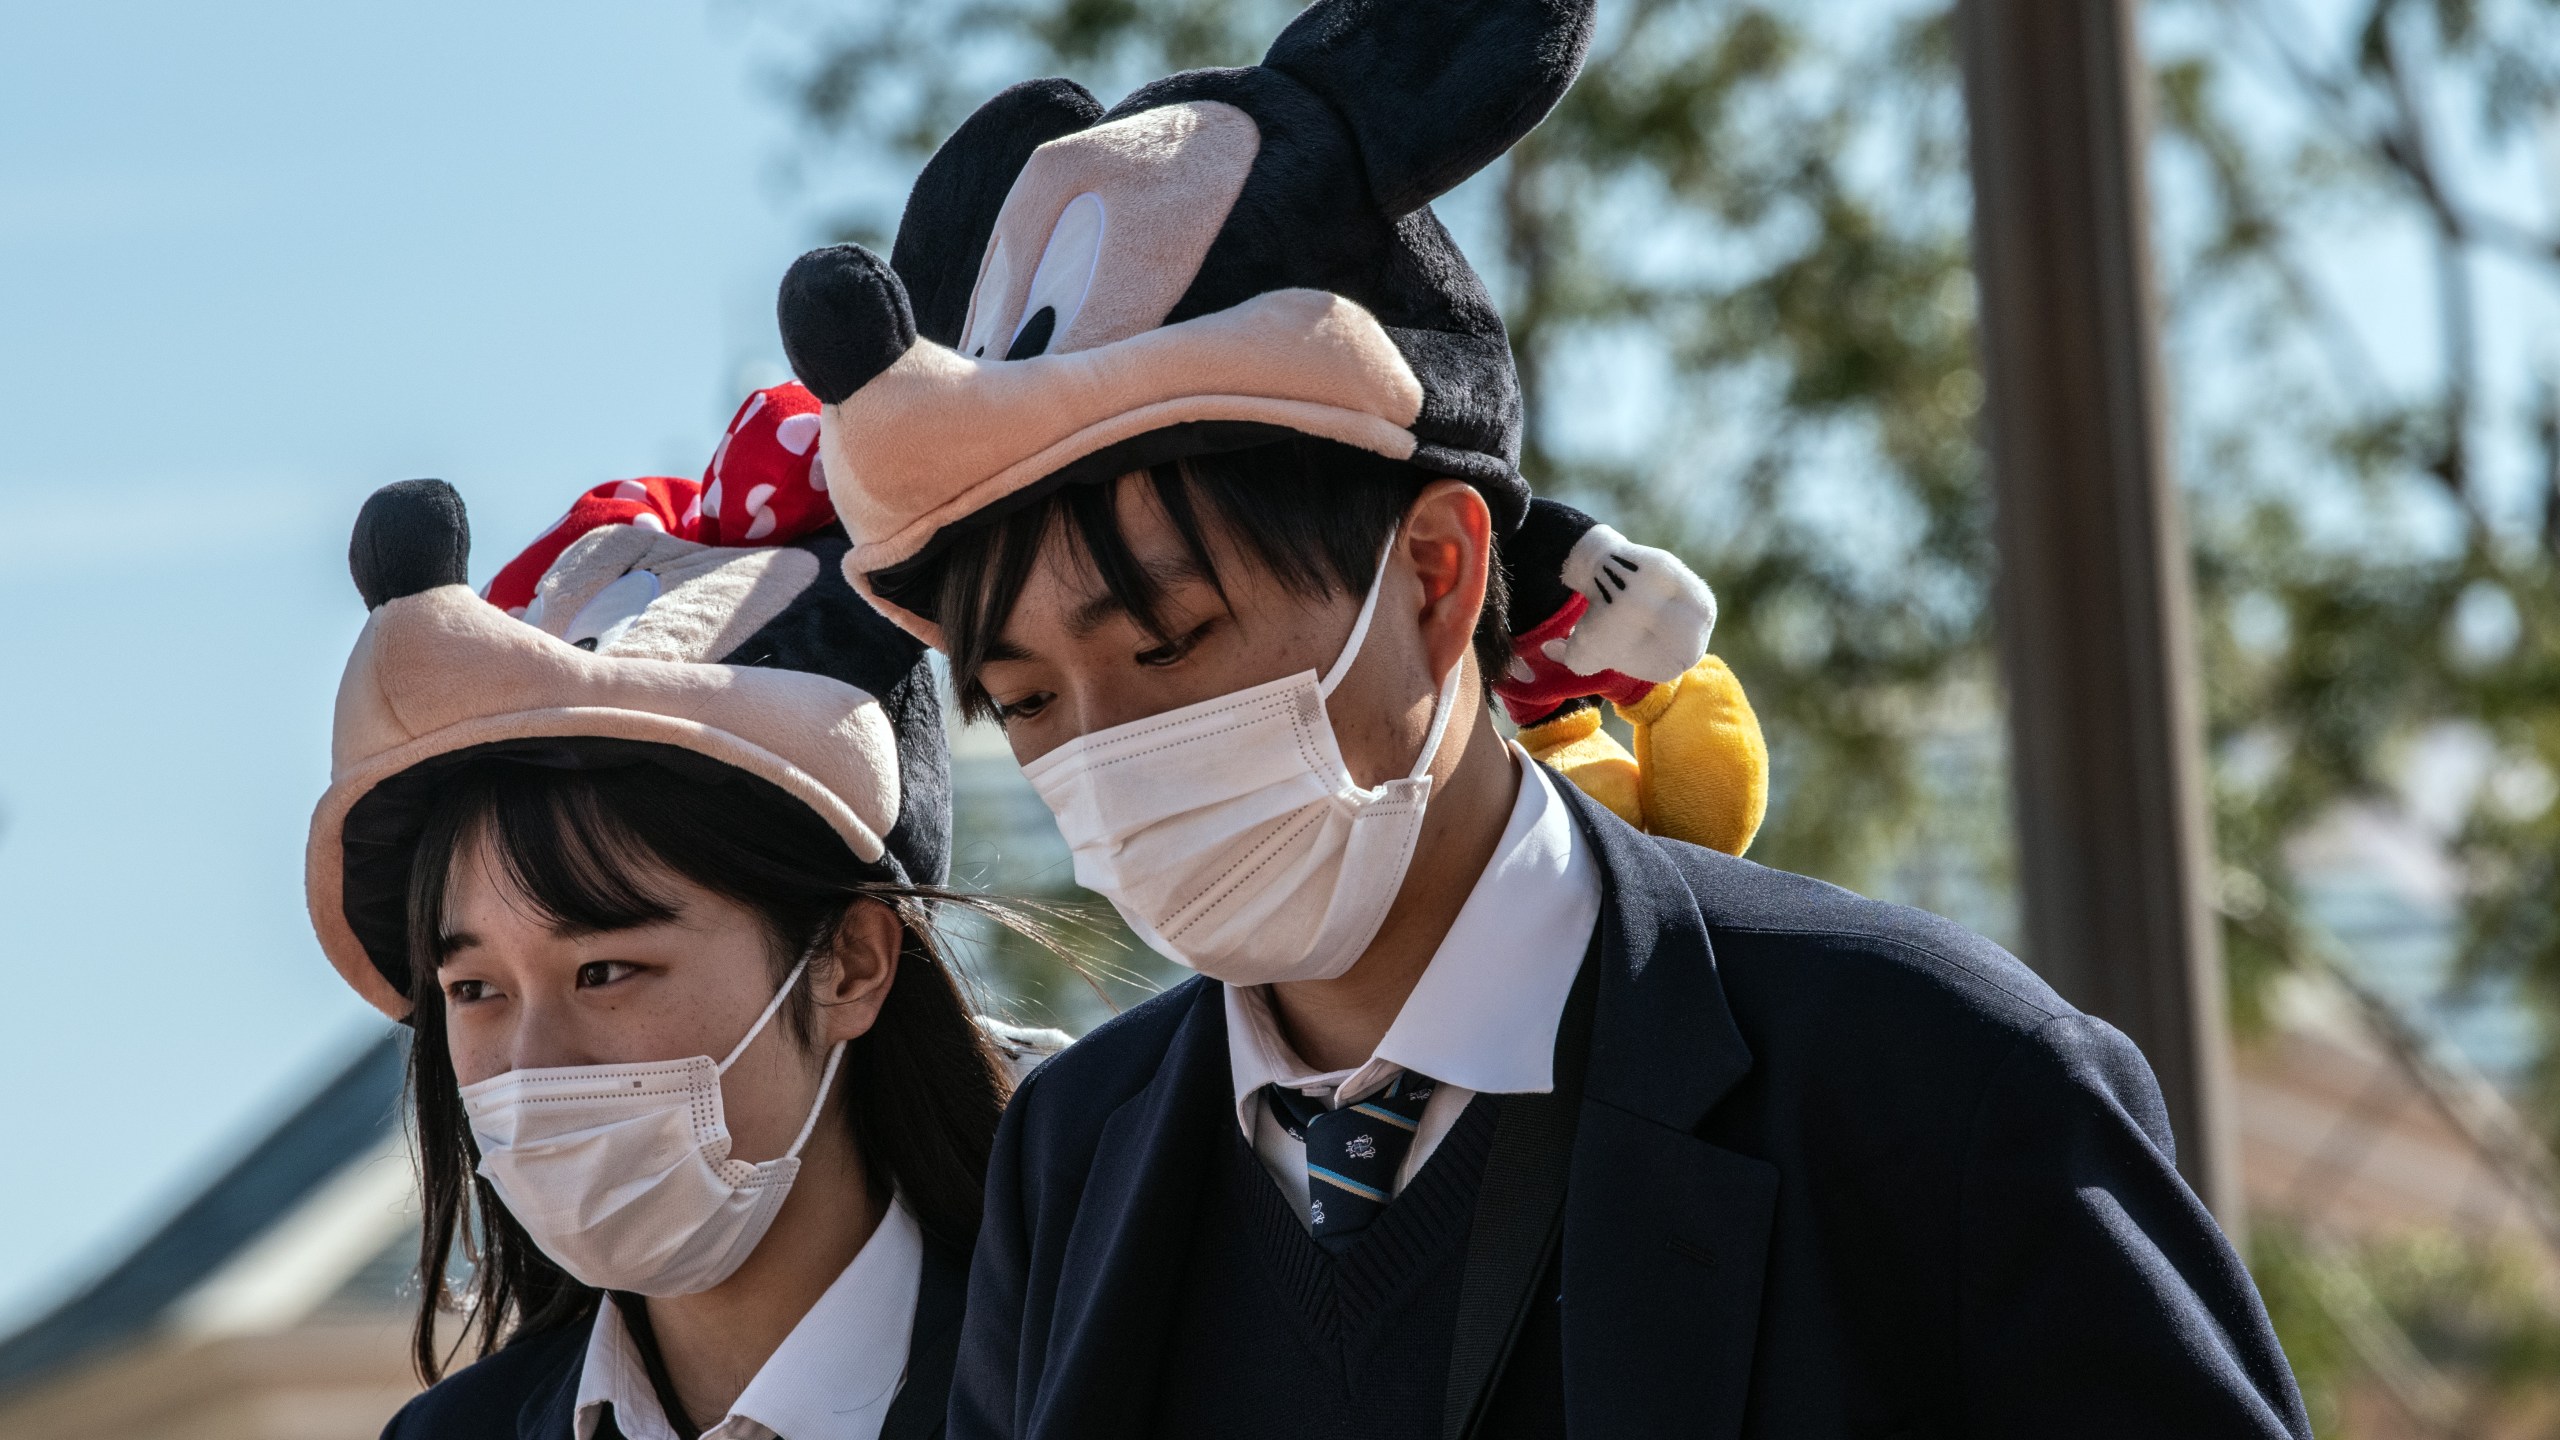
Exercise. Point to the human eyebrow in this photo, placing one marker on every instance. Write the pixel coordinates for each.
(1162, 573)
(448, 945)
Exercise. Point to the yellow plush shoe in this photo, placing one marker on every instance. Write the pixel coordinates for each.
(1701, 765)
(1574, 746)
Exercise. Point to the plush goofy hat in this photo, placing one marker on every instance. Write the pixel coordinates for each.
(1225, 258)
(641, 633)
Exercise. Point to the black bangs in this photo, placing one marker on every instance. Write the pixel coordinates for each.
(591, 849)
(1314, 514)
(583, 866)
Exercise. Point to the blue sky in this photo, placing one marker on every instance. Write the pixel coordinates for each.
(255, 261)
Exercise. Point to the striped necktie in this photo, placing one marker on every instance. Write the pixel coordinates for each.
(1352, 1153)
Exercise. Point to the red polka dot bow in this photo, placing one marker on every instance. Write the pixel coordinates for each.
(765, 486)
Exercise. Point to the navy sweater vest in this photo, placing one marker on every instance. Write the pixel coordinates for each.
(1274, 1337)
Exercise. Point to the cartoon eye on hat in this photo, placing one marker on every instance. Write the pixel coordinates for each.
(636, 630)
(1225, 258)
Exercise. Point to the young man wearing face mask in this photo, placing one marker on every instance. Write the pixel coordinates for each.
(1191, 439)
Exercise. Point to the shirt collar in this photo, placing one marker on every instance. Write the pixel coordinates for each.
(1484, 1014)
(832, 1378)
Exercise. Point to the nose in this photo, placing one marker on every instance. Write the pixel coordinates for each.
(845, 318)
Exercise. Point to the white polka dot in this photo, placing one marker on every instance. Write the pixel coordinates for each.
(711, 498)
(631, 490)
(648, 520)
(759, 505)
(797, 433)
(818, 473)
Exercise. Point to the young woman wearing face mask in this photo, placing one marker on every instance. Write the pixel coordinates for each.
(702, 1118)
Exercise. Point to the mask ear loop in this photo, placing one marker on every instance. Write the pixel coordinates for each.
(1440, 708)
(762, 1020)
(1359, 627)
(826, 1080)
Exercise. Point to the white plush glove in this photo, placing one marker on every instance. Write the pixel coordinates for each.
(1650, 616)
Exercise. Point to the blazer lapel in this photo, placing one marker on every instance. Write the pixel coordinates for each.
(1131, 1236)
(1665, 1236)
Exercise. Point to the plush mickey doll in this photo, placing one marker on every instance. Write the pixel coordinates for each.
(1231, 257)
(636, 628)
(1595, 616)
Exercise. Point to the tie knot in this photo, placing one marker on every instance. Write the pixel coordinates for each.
(1354, 1151)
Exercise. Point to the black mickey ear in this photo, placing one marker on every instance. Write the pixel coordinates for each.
(1434, 90)
(411, 536)
(951, 213)
(844, 319)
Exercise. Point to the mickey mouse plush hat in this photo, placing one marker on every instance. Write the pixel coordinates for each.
(1225, 258)
(637, 638)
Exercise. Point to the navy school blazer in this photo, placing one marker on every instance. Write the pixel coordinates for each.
(1842, 1169)
(529, 1390)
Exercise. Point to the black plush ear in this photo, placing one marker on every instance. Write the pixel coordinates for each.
(844, 319)
(951, 213)
(1434, 89)
(1533, 562)
(411, 536)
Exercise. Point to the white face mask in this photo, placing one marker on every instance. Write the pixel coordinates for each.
(1230, 835)
(621, 1173)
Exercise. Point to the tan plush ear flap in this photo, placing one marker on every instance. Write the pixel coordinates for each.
(1105, 228)
(443, 670)
(937, 437)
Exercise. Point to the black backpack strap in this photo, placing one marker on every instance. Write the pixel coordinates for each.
(1519, 1217)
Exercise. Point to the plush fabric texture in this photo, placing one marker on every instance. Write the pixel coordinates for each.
(765, 485)
(1841, 1170)
(411, 535)
(1172, 172)
(951, 211)
(761, 660)
(1133, 242)
(1572, 744)
(1702, 766)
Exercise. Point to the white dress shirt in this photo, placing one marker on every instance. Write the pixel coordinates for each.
(832, 1378)
(1483, 1016)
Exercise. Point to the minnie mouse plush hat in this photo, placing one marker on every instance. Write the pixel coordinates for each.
(1225, 258)
(637, 643)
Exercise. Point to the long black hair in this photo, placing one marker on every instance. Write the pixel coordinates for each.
(923, 1086)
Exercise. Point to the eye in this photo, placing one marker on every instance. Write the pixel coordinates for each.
(1064, 278)
(1008, 711)
(465, 992)
(1174, 651)
(603, 619)
(597, 973)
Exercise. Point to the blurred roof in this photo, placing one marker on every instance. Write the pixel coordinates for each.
(315, 1214)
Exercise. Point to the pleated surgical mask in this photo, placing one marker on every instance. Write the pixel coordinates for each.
(1230, 834)
(622, 1173)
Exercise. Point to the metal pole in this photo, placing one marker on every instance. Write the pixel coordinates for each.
(2093, 609)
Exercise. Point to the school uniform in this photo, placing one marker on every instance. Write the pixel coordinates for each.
(1836, 1168)
(872, 1360)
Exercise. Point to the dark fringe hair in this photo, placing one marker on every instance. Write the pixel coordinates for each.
(1314, 514)
(923, 1086)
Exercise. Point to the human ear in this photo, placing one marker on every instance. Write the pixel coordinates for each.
(862, 965)
(1448, 540)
